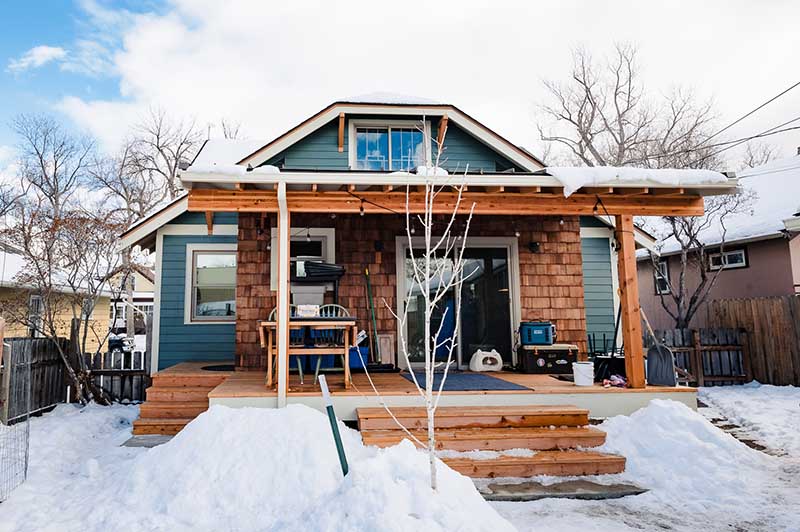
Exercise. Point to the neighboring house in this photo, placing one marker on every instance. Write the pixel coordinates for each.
(333, 189)
(760, 256)
(141, 306)
(11, 263)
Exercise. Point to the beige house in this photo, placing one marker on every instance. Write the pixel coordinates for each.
(13, 294)
(761, 255)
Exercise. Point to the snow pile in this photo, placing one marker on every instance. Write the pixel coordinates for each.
(680, 456)
(265, 469)
(575, 177)
(776, 426)
(266, 169)
(431, 171)
(232, 469)
(226, 151)
(217, 168)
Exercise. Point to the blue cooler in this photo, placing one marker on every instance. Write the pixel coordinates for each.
(537, 333)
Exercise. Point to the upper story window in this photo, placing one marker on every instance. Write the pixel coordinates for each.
(662, 277)
(393, 146)
(735, 258)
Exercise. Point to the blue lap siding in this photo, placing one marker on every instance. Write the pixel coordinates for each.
(178, 342)
(598, 288)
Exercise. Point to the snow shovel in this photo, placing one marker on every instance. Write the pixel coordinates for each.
(660, 361)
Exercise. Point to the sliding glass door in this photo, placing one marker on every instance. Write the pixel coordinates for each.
(486, 296)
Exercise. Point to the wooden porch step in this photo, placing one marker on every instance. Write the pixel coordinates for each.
(172, 409)
(556, 463)
(476, 416)
(168, 380)
(165, 426)
(496, 439)
(178, 393)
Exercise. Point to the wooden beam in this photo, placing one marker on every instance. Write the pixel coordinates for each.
(501, 203)
(495, 190)
(530, 190)
(210, 222)
(240, 186)
(631, 191)
(442, 130)
(597, 190)
(388, 188)
(341, 132)
(667, 191)
(629, 302)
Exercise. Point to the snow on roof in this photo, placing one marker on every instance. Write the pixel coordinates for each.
(575, 177)
(390, 98)
(226, 151)
(777, 187)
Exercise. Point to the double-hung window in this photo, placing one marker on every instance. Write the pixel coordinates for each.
(211, 284)
(388, 147)
(662, 277)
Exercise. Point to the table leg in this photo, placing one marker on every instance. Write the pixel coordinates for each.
(347, 358)
(269, 359)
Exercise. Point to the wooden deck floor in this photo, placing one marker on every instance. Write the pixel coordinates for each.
(252, 384)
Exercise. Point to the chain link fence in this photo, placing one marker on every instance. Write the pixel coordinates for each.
(15, 405)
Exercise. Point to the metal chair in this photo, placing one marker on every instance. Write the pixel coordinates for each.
(328, 337)
(296, 337)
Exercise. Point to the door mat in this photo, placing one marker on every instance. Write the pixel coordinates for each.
(464, 381)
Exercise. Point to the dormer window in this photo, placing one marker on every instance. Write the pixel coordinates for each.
(393, 146)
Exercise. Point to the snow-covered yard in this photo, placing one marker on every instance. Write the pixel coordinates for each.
(254, 469)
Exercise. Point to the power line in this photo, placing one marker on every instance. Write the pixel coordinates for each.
(753, 111)
(766, 133)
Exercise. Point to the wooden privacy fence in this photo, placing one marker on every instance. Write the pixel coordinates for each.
(713, 356)
(773, 334)
(38, 358)
(123, 376)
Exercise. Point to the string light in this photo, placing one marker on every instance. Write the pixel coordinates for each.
(361, 209)
(561, 221)
(308, 234)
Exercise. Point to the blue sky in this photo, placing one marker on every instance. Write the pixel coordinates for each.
(269, 65)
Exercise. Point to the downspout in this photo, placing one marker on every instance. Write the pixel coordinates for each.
(283, 295)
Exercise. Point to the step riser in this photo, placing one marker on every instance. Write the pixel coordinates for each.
(489, 421)
(167, 410)
(175, 395)
(211, 381)
(477, 470)
(500, 444)
(167, 429)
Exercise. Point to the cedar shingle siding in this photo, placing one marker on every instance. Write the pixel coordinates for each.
(552, 279)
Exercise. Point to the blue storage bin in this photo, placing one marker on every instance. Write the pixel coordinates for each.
(537, 333)
(355, 360)
(328, 361)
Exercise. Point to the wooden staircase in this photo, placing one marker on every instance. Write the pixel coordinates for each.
(557, 434)
(174, 400)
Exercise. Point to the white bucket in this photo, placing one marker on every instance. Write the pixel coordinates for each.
(583, 373)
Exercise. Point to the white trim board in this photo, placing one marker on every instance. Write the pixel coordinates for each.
(188, 272)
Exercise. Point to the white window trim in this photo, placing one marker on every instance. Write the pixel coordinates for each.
(379, 123)
(189, 274)
(657, 273)
(724, 255)
(328, 233)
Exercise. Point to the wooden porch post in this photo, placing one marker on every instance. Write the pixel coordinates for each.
(629, 299)
(283, 310)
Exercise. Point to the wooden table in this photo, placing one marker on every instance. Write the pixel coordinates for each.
(267, 332)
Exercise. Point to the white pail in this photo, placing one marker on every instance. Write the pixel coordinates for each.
(583, 373)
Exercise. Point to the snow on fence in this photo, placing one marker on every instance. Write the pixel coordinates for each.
(773, 334)
(15, 397)
(713, 356)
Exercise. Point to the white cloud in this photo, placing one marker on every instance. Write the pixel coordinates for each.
(269, 65)
(36, 57)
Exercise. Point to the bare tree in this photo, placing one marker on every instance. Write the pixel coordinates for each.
(437, 268)
(53, 162)
(69, 262)
(230, 129)
(160, 145)
(758, 153)
(603, 117)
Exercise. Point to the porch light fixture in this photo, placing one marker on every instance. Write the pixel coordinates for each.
(533, 247)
